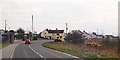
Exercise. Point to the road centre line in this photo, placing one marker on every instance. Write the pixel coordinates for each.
(35, 52)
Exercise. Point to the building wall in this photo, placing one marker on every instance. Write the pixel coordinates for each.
(1, 32)
(53, 36)
(93, 36)
(86, 36)
(44, 34)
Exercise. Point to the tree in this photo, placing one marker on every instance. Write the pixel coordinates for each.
(74, 37)
(21, 31)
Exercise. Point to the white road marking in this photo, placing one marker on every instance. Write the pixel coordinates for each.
(36, 52)
(11, 55)
(63, 53)
(41, 56)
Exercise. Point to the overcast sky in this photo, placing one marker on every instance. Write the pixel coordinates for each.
(89, 15)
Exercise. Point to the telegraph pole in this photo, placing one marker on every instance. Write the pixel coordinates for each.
(66, 27)
(32, 23)
(5, 25)
(32, 26)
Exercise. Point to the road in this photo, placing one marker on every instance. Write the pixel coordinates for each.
(36, 51)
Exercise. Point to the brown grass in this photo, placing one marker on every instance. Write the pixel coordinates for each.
(109, 51)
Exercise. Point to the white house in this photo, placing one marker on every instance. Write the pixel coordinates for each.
(109, 36)
(100, 36)
(53, 34)
(93, 36)
(88, 35)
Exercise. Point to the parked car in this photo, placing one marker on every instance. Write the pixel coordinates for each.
(27, 41)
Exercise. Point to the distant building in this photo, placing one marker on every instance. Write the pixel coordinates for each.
(1, 33)
(116, 37)
(86, 35)
(53, 34)
(93, 36)
(109, 36)
(100, 36)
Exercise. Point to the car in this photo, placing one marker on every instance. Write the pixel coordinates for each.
(27, 41)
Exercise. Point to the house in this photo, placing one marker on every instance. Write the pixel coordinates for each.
(53, 34)
(93, 36)
(109, 36)
(100, 36)
(116, 37)
(89, 36)
(1, 33)
(86, 35)
(80, 32)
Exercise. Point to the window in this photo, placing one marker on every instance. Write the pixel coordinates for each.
(50, 37)
(57, 33)
(60, 36)
(57, 37)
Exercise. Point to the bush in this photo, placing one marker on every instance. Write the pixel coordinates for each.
(74, 37)
(57, 40)
(93, 44)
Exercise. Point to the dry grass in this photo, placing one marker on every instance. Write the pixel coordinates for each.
(103, 51)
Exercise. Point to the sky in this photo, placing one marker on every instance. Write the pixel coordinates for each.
(91, 15)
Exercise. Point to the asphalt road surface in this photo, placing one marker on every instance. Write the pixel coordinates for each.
(36, 51)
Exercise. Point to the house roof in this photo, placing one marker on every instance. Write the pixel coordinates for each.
(109, 35)
(55, 31)
(86, 33)
(99, 35)
(80, 32)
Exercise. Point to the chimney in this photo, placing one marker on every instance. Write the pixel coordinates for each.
(47, 29)
(56, 29)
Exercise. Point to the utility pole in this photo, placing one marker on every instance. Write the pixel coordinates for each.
(32, 26)
(32, 23)
(5, 25)
(66, 27)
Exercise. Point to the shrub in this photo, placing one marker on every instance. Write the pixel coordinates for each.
(74, 37)
(94, 44)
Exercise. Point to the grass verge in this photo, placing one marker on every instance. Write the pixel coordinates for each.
(2, 45)
(63, 47)
(67, 48)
